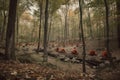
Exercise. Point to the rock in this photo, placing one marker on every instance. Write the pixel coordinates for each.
(13, 73)
(73, 59)
(62, 56)
(102, 65)
(91, 75)
(94, 67)
(67, 59)
(107, 62)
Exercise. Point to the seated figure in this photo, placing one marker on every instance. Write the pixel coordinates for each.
(74, 51)
(92, 53)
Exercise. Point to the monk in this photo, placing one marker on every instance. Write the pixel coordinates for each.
(104, 54)
(60, 50)
(74, 51)
(92, 53)
(57, 49)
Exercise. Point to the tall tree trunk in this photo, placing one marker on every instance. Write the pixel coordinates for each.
(90, 26)
(62, 33)
(40, 6)
(82, 35)
(0, 24)
(17, 28)
(10, 34)
(32, 32)
(66, 25)
(17, 25)
(107, 31)
(45, 32)
(49, 31)
(104, 35)
(65, 30)
(118, 21)
(4, 25)
(4, 22)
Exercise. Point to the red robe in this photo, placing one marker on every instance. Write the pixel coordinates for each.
(92, 53)
(104, 54)
(74, 51)
(57, 49)
(62, 50)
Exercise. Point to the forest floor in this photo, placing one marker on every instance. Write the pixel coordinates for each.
(11, 70)
(30, 66)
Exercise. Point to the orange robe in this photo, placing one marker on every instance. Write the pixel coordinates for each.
(104, 54)
(74, 51)
(92, 53)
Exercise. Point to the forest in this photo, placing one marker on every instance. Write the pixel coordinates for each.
(59, 39)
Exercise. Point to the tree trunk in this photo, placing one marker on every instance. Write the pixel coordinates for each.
(17, 28)
(17, 25)
(4, 23)
(0, 24)
(107, 31)
(49, 31)
(82, 35)
(32, 32)
(10, 34)
(45, 32)
(65, 30)
(66, 25)
(40, 6)
(90, 26)
(118, 21)
(62, 33)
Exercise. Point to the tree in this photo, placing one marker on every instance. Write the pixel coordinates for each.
(66, 24)
(4, 10)
(89, 23)
(40, 6)
(22, 6)
(45, 32)
(65, 12)
(82, 35)
(107, 29)
(10, 34)
(50, 26)
(118, 21)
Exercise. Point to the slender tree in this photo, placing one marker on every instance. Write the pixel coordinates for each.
(17, 24)
(66, 30)
(40, 6)
(118, 21)
(50, 26)
(82, 35)
(17, 28)
(107, 31)
(33, 29)
(4, 21)
(10, 34)
(89, 23)
(45, 32)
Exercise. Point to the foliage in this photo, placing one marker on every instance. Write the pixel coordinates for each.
(15, 70)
